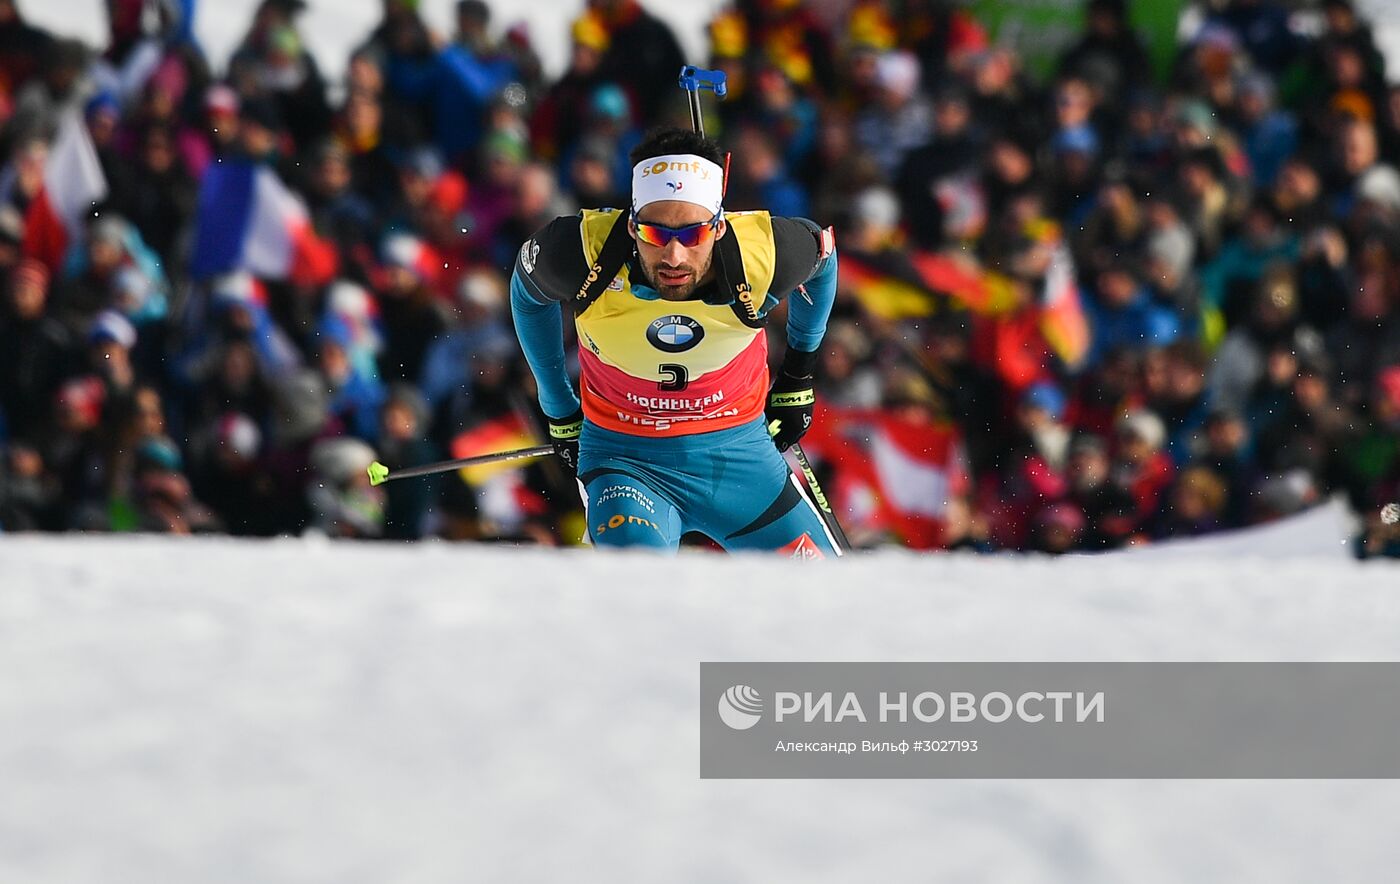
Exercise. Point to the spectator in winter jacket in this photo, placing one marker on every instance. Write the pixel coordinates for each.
(1122, 315)
(342, 502)
(355, 396)
(1196, 504)
(1108, 507)
(1182, 400)
(900, 119)
(36, 351)
(409, 310)
(1228, 453)
(1140, 463)
(403, 443)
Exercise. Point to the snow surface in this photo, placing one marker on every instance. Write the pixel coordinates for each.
(214, 710)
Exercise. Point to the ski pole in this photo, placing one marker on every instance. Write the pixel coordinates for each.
(828, 516)
(379, 474)
(692, 80)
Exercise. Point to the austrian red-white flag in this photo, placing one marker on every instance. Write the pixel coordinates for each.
(891, 473)
(73, 184)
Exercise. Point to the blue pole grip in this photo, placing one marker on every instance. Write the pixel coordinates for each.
(694, 79)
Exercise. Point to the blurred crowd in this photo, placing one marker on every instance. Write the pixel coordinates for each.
(1106, 304)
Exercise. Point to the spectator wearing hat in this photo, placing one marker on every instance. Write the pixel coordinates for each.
(1032, 474)
(1208, 205)
(403, 436)
(538, 200)
(503, 159)
(1109, 54)
(300, 419)
(1183, 401)
(361, 130)
(643, 54)
(411, 314)
(342, 502)
(609, 126)
(1268, 134)
(75, 449)
(1272, 320)
(1227, 451)
(760, 178)
(1368, 334)
(339, 213)
(1168, 252)
(355, 395)
(929, 174)
(1228, 279)
(160, 200)
(23, 47)
(110, 342)
(846, 379)
(1008, 173)
(899, 119)
(36, 350)
(164, 502)
(1123, 315)
(1372, 459)
(1195, 504)
(1074, 174)
(229, 379)
(1057, 529)
(103, 115)
(456, 88)
(31, 498)
(1140, 463)
(1313, 432)
(226, 473)
(789, 115)
(592, 175)
(1102, 501)
(1115, 224)
(559, 120)
(1002, 98)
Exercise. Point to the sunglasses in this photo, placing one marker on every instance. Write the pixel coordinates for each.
(690, 236)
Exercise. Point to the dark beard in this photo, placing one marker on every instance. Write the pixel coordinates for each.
(674, 293)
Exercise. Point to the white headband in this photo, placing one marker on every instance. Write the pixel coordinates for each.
(684, 177)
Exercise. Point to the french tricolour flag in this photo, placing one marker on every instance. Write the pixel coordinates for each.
(73, 184)
(248, 220)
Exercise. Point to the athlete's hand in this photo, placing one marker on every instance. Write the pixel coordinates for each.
(563, 435)
(791, 399)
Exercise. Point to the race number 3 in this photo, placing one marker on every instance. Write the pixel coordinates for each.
(676, 376)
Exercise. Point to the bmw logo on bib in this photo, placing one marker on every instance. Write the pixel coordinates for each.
(674, 333)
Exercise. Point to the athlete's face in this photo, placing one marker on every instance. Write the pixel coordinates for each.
(673, 269)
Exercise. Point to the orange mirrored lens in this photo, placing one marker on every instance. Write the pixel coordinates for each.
(690, 236)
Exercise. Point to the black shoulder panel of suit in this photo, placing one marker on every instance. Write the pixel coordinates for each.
(551, 263)
(797, 252)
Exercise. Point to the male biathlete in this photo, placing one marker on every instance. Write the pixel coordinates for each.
(675, 426)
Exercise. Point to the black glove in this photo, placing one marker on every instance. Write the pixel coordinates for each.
(563, 435)
(791, 399)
